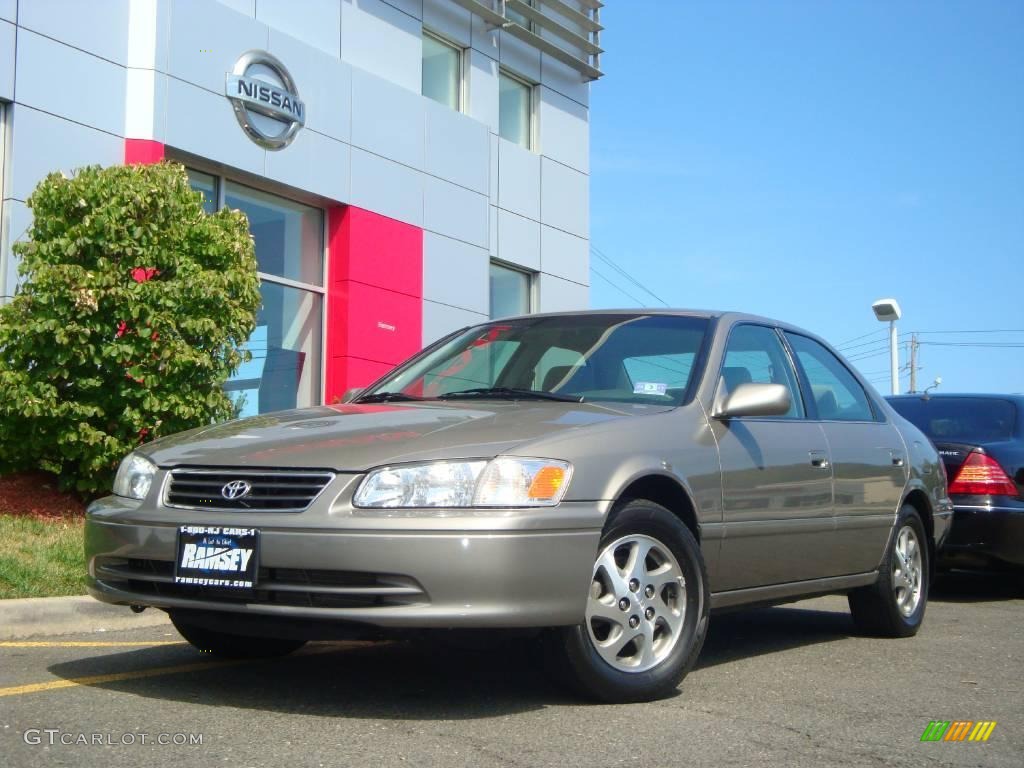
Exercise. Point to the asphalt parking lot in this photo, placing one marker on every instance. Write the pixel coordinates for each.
(780, 686)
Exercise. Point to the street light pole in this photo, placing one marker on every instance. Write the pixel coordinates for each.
(888, 310)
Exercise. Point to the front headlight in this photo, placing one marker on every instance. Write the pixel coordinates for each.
(504, 482)
(134, 477)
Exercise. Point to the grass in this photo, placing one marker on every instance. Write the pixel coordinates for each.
(41, 558)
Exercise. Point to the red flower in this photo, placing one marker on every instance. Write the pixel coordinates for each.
(142, 274)
(122, 329)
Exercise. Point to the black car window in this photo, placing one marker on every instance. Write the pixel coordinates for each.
(755, 355)
(971, 419)
(837, 394)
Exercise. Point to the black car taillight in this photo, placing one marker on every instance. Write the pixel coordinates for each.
(981, 475)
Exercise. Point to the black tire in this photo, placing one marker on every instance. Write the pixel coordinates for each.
(572, 651)
(230, 646)
(876, 608)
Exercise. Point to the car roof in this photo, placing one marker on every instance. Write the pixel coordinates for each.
(708, 314)
(1018, 399)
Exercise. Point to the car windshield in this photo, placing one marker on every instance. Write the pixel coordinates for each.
(603, 357)
(968, 419)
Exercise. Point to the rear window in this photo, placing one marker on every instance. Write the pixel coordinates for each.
(970, 419)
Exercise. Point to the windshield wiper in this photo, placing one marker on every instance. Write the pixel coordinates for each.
(511, 393)
(387, 397)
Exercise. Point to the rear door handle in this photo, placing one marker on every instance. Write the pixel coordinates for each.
(819, 459)
(897, 458)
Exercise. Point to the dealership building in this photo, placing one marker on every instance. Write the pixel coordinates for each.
(408, 167)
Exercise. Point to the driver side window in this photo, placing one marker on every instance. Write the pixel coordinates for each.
(755, 355)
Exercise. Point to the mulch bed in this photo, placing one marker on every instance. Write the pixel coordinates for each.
(37, 494)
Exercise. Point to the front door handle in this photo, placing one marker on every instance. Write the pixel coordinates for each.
(819, 459)
(897, 460)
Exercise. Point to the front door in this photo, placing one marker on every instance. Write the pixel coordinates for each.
(776, 476)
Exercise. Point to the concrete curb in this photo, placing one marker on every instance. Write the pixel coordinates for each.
(28, 617)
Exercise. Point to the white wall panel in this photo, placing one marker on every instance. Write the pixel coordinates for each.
(448, 20)
(387, 119)
(482, 89)
(492, 188)
(519, 240)
(16, 220)
(9, 9)
(455, 211)
(564, 79)
(100, 103)
(558, 295)
(564, 198)
(324, 83)
(314, 22)
(204, 124)
(379, 38)
(246, 7)
(518, 180)
(485, 38)
(7, 36)
(97, 26)
(455, 273)
(412, 7)
(564, 255)
(564, 129)
(457, 147)
(44, 143)
(386, 188)
(314, 163)
(519, 57)
(145, 104)
(440, 320)
(206, 39)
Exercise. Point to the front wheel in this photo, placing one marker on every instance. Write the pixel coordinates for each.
(647, 610)
(894, 605)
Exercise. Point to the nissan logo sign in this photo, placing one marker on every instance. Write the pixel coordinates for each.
(265, 99)
(236, 489)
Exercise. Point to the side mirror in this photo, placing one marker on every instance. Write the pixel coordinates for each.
(754, 400)
(351, 394)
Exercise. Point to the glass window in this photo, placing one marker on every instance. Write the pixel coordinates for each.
(837, 394)
(510, 292)
(574, 355)
(289, 235)
(206, 185)
(515, 110)
(755, 355)
(520, 18)
(967, 419)
(284, 371)
(442, 71)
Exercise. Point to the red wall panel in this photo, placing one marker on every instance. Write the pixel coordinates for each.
(144, 151)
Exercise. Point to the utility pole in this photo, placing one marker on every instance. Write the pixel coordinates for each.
(914, 345)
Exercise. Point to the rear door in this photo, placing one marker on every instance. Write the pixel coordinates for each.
(869, 458)
(776, 476)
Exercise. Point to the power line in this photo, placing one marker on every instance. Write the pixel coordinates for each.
(611, 263)
(617, 287)
(858, 338)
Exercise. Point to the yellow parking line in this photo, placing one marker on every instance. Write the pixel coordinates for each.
(85, 643)
(114, 677)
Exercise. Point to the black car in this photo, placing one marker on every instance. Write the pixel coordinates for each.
(981, 441)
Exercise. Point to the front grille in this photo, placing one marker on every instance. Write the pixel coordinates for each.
(274, 586)
(271, 490)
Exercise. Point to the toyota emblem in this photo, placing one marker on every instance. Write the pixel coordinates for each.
(236, 489)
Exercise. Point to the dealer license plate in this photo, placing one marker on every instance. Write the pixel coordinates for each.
(217, 556)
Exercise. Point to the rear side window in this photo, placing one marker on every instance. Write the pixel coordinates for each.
(838, 395)
(970, 419)
(755, 355)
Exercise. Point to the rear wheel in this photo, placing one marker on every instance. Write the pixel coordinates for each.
(231, 646)
(647, 611)
(894, 605)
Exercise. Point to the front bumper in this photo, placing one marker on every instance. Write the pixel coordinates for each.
(503, 568)
(983, 535)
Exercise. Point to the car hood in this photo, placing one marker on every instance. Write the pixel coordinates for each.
(359, 437)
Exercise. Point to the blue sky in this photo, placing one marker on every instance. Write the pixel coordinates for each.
(802, 159)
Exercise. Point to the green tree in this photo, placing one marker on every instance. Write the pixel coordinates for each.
(128, 321)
